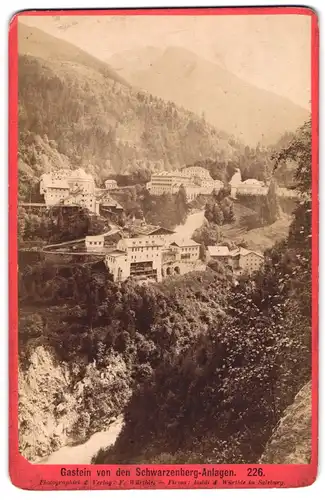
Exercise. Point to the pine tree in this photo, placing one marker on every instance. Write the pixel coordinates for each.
(272, 203)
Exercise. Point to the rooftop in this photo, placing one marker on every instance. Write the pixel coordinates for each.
(184, 242)
(150, 230)
(116, 253)
(246, 251)
(97, 237)
(174, 173)
(141, 242)
(111, 203)
(218, 251)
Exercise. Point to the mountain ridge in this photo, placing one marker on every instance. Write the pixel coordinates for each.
(37, 43)
(234, 105)
(96, 121)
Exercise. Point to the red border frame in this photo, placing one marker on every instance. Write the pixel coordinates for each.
(27, 476)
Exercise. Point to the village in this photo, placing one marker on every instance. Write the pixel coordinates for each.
(140, 250)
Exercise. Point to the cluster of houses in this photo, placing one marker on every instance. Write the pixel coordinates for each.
(76, 187)
(151, 254)
(154, 252)
(143, 251)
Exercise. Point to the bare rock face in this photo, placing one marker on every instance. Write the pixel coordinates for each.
(291, 441)
(46, 409)
(56, 409)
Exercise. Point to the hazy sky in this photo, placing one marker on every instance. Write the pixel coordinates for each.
(271, 52)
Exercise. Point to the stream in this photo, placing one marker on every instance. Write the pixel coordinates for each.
(83, 453)
(193, 222)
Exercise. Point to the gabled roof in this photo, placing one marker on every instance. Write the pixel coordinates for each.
(111, 203)
(219, 251)
(184, 242)
(151, 230)
(246, 251)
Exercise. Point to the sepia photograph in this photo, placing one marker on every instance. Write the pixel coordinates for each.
(164, 239)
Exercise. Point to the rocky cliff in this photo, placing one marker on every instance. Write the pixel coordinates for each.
(60, 404)
(291, 440)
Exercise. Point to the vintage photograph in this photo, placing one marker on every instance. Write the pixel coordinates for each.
(164, 239)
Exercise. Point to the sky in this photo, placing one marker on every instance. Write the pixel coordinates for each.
(271, 52)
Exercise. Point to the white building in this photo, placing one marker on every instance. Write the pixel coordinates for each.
(76, 187)
(220, 253)
(55, 192)
(196, 181)
(139, 258)
(82, 198)
(152, 258)
(68, 187)
(95, 243)
(167, 182)
(241, 260)
(246, 261)
(187, 250)
(248, 187)
(111, 184)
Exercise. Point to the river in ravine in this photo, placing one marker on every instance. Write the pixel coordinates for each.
(83, 453)
(193, 222)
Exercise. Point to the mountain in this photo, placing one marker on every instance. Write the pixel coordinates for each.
(74, 105)
(228, 102)
(34, 42)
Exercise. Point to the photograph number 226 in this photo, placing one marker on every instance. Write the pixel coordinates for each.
(163, 248)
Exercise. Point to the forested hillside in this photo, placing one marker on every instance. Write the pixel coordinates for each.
(102, 339)
(72, 107)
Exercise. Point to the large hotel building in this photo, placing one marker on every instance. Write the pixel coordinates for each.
(195, 180)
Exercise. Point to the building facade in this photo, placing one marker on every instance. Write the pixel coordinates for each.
(76, 187)
(240, 260)
(187, 250)
(111, 184)
(248, 187)
(139, 258)
(95, 243)
(167, 182)
(246, 261)
(68, 187)
(195, 180)
(152, 257)
(219, 253)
